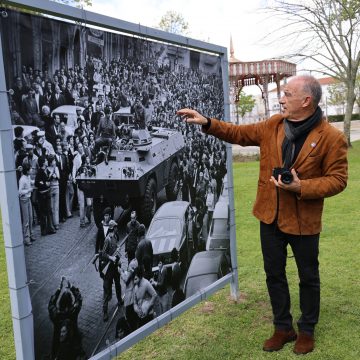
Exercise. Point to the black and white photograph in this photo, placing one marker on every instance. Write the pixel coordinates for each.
(124, 206)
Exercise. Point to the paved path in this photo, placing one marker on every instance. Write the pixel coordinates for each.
(67, 253)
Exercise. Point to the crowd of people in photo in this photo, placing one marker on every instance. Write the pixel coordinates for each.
(55, 152)
(51, 157)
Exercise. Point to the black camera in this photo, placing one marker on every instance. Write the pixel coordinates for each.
(286, 175)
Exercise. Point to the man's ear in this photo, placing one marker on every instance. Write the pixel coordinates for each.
(307, 102)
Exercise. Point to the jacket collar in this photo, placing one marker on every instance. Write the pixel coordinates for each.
(309, 146)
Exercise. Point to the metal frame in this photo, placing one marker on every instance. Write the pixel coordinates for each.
(18, 286)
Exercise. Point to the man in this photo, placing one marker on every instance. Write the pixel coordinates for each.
(68, 94)
(144, 252)
(38, 96)
(64, 308)
(57, 98)
(109, 259)
(103, 229)
(144, 298)
(42, 183)
(106, 132)
(77, 169)
(95, 118)
(29, 110)
(53, 130)
(314, 152)
(161, 285)
(132, 231)
(64, 170)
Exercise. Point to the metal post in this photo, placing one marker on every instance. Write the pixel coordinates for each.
(14, 248)
(234, 286)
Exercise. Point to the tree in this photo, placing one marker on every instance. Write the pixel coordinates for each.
(327, 32)
(357, 92)
(337, 95)
(174, 22)
(244, 105)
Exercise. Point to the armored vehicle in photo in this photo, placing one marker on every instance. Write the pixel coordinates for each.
(140, 163)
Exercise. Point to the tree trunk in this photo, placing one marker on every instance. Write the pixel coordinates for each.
(349, 109)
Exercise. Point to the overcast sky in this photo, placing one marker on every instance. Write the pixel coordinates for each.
(211, 21)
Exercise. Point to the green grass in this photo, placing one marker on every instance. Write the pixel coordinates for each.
(222, 329)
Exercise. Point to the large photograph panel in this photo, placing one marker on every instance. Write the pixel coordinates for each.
(125, 209)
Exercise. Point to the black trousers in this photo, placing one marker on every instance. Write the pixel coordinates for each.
(306, 250)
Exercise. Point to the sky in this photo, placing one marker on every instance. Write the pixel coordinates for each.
(211, 21)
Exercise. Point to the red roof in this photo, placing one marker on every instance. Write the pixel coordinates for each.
(327, 81)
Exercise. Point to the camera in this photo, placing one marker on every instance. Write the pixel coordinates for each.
(286, 175)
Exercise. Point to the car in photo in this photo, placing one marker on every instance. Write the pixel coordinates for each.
(68, 116)
(224, 194)
(28, 129)
(219, 233)
(171, 227)
(206, 267)
(123, 116)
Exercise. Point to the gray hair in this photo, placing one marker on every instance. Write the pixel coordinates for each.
(312, 86)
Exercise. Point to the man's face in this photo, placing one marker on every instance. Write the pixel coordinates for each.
(80, 149)
(133, 218)
(62, 126)
(136, 280)
(293, 100)
(59, 149)
(57, 119)
(106, 218)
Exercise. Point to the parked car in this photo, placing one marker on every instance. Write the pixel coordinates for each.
(171, 227)
(219, 233)
(224, 194)
(68, 116)
(206, 267)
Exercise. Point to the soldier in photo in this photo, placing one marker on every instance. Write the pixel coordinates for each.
(106, 131)
(103, 228)
(109, 260)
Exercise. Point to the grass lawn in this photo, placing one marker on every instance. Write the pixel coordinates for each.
(221, 329)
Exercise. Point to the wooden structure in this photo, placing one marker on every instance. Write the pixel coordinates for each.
(259, 73)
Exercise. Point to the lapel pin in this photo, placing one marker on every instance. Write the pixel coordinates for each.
(313, 145)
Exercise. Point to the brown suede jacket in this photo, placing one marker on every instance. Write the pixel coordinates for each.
(321, 165)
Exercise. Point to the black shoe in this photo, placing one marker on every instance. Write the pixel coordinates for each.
(51, 232)
(26, 243)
